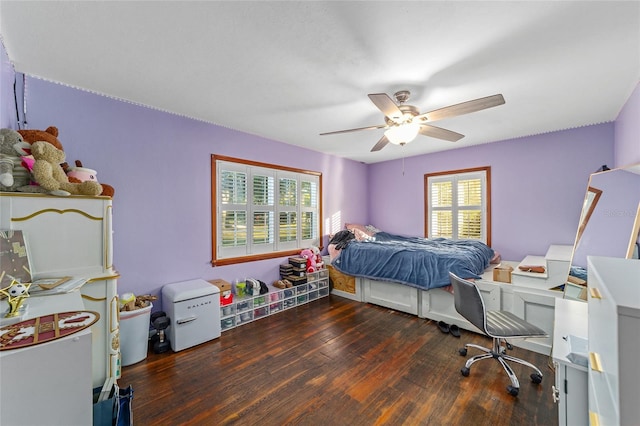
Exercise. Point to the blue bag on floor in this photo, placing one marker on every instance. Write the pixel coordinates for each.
(124, 416)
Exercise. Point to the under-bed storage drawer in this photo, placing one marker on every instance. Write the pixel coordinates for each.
(437, 304)
(391, 295)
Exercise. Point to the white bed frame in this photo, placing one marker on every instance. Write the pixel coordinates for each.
(528, 296)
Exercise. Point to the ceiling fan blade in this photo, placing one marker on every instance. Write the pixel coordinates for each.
(381, 144)
(463, 108)
(354, 130)
(386, 105)
(439, 133)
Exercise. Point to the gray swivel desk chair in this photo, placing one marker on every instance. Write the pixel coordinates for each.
(498, 325)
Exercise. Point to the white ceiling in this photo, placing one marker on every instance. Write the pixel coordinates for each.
(290, 70)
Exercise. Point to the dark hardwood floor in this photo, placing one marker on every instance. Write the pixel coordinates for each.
(335, 362)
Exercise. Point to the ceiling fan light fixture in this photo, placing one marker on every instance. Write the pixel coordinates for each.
(402, 133)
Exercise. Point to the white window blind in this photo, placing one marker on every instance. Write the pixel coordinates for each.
(264, 210)
(457, 205)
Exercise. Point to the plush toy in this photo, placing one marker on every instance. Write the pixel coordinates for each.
(311, 259)
(318, 256)
(49, 135)
(79, 173)
(48, 173)
(12, 173)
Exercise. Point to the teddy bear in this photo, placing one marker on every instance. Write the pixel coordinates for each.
(49, 135)
(12, 173)
(49, 175)
(318, 255)
(311, 259)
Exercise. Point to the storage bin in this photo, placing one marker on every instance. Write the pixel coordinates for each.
(134, 334)
(228, 323)
(275, 307)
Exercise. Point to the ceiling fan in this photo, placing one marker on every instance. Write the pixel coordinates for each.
(403, 122)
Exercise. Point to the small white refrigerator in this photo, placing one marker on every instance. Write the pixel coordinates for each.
(193, 308)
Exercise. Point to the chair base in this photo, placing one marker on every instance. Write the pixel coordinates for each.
(499, 353)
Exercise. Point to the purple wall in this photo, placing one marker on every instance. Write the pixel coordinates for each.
(7, 103)
(159, 165)
(627, 131)
(537, 187)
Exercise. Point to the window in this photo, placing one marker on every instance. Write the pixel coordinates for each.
(458, 204)
(261, 211)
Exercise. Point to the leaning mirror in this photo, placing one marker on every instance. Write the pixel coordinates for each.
(609, 223)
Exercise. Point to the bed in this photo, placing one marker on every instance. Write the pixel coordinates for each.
(411, 274)
(419, 262)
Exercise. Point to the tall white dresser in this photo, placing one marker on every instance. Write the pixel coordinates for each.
(614, 341)
(570, 391)
(72, 236)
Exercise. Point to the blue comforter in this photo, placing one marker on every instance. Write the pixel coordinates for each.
(418, 262)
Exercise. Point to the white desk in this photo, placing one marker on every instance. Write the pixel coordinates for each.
(571, 388)
(49, 383)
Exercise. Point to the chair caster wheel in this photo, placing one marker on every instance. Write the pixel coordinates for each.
(513, 391)
(464, 371)
(462, 352)
(536, 378)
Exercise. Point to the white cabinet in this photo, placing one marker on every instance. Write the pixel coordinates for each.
(537, 307)
(570, 389)
(614, 340)
(438, 305)
(48, 383)
(72, 236)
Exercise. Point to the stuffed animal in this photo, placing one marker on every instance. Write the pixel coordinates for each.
(319, 261)
(48, 173)
(79, 173)
(49, 135)
(12, 173)
(311, 259)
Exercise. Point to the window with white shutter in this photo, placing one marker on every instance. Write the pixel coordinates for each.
(262, 211)
(458, 204)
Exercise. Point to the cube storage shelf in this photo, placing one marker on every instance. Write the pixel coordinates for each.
(251, 308)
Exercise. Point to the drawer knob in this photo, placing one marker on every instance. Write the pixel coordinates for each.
(594, 361)
(595, 293)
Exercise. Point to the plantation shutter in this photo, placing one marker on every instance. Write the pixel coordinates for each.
(232, 197)
(457, 206)
(263, 210)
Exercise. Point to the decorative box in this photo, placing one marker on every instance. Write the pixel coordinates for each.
(221, 284)
(286, 267)
(298, 262)
(502, 273)
(297, 280)
(299, 272)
